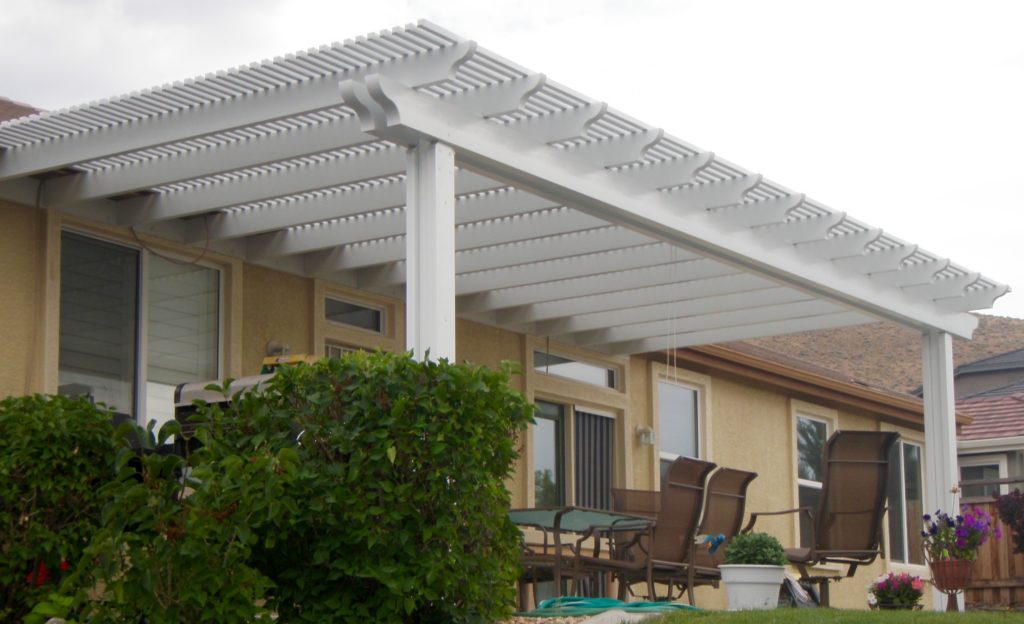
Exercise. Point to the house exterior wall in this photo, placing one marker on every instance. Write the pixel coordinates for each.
(972, 383)
(744, 424)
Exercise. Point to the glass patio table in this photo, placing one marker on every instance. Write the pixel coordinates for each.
(584, 523)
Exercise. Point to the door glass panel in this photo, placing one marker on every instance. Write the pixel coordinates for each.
(183, 331)
(913, 491)
(897, 517)
(548, 482)
(594, 460)
(98, 311)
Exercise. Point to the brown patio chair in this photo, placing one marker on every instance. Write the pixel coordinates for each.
(846, 527)
(724, 507)
(666, 556)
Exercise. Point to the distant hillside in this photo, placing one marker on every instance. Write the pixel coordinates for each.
(888, 355)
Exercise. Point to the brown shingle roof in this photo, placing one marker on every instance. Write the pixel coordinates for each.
(993, 417)
(9, 109)
(888, 355)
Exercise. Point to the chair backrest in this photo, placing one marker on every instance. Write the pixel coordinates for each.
(682, 499)
(724, 506)
(854, 487)
(636, 502)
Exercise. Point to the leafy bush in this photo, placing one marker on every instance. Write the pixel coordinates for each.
(1010, 508)
(369, 488)
(755, 549)
(170, 550)
(55, 452)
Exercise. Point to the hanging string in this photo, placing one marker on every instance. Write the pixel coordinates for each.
(196, 260)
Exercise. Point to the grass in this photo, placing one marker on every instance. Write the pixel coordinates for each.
(838, 616)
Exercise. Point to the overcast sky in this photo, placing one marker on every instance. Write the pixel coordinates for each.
(907, 115)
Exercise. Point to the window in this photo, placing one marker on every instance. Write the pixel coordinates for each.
(811, 435)
(677, 422)
(109, 295)
(549, 455)
(906, 503)
(983, 468)
(578, 371)
(353, 315)
(336, 350)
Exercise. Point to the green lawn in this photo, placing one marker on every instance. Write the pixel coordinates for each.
(837, 616)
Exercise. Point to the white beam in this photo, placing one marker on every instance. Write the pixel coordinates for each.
(469, 261)
(430, 252)
(238, 112)
(211, 160)
(757, 213)
(399, 114)
(307, 209)
(276, 146)
(267, 184)
(385, 227)
(738, 332)
(705, 304)
(567, 268)
(667, 326)
(940, 461)
(620, 291)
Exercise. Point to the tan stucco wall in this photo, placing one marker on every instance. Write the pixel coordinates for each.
(22, 280)
(276, 307)
(750, 424)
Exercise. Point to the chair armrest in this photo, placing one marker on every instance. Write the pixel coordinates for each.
(753, 517)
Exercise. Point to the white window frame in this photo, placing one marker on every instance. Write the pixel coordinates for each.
(668, 456)
(903, 496)
(380, 309)
(916, 437)
(996, 459)
(616, 371)
(684, 378)
(819, 413)
(140, 379)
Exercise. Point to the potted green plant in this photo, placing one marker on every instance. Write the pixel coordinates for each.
(753, 571)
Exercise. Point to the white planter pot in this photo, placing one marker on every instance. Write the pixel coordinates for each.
(752, 586)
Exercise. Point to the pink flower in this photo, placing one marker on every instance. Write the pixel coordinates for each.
(917, 584)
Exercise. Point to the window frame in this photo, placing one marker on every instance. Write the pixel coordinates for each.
(144, 251)
(988, 459)
(828, 416)
(692, 380)
(901, 443)
(379, 309)
(615, 371)
(391, 338)
(915, 436)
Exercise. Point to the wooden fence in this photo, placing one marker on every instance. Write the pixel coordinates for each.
(999, 571)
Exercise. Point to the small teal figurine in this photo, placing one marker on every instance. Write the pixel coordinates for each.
(712, 541)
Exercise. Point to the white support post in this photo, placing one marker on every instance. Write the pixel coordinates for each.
(942, 474)
(430, 251)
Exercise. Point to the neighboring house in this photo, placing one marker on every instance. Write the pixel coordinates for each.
(184, 233)
(998, 371)
(991, 447)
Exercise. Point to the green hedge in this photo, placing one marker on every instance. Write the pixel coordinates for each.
(369, 488)
(55, 452)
